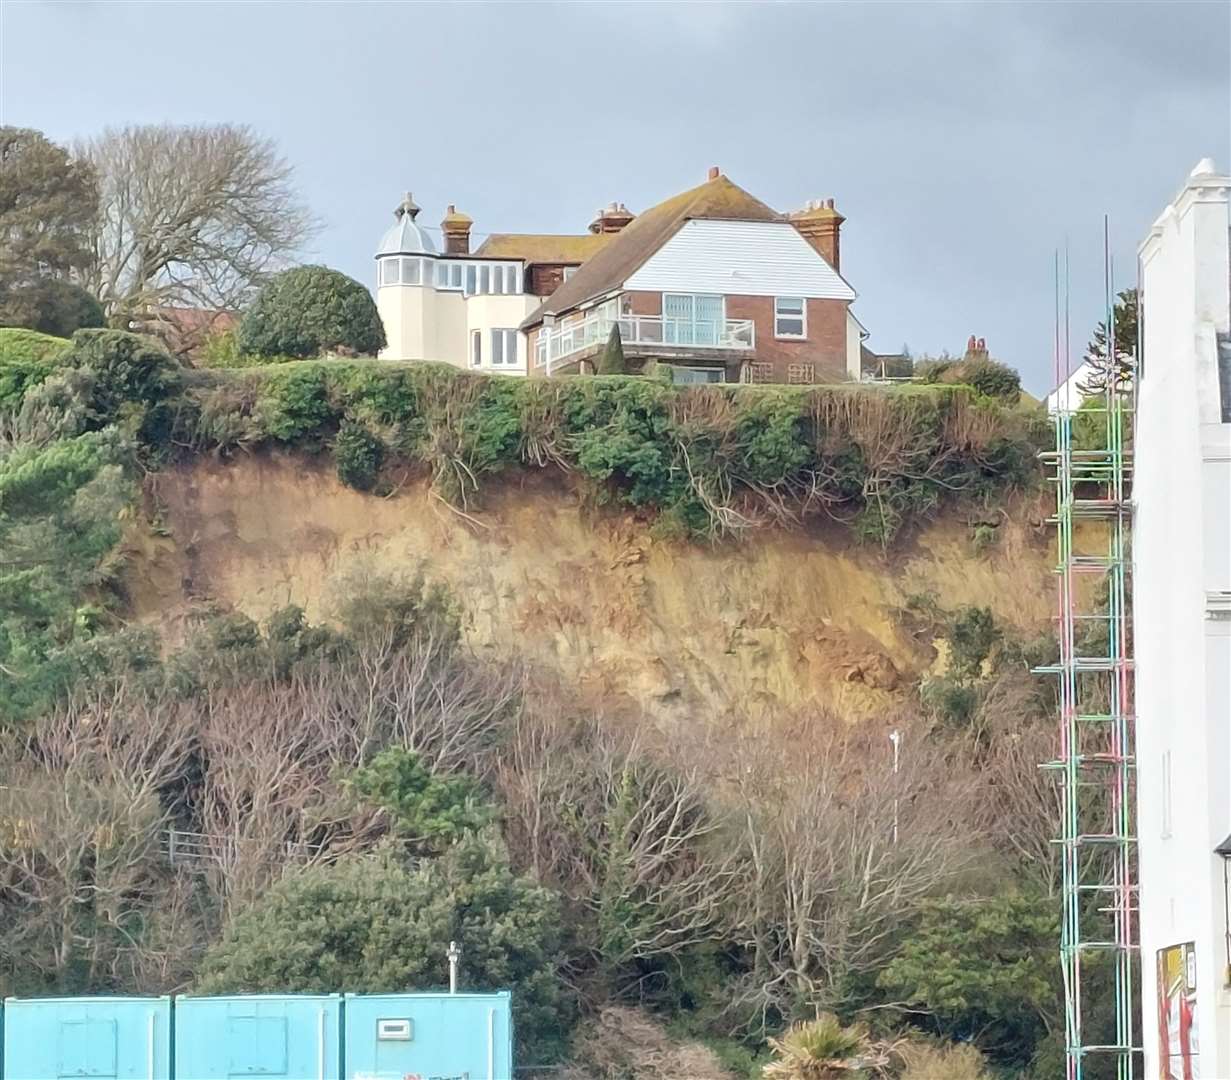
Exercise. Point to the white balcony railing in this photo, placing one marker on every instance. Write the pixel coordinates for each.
(564, 341)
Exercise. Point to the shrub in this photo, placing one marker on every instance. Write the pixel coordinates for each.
(131, 375)
(358, 455)
(950, 701)
(56, 307)
(705, 461)
(989, 377)
(943, 972)
(820, 1049)
(309, 311)
(430, 812)
(26, 359)
(953, 1061)
(374, 924)
(612, 360)
(973, 634)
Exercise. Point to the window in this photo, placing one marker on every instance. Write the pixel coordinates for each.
(410, 271)
(504, 348)
(790, 317)
(799, 374)
(389, 272)
(569, 271)
(455, 276)
(684, 376)
(693, 319)
(485, 279)
(470, 279)
(476, 348)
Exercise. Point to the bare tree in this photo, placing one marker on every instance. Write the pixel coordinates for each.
(825, 884)
(83, 804)
(627, 832)
(189, 217)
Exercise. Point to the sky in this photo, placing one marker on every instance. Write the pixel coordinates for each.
(964, 142)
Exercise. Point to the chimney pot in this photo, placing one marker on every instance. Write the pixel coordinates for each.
(713, 174)
(829, 203)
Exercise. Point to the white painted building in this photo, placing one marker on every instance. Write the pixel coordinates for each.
(1182, 632)
(455, 307)
(1067, 397)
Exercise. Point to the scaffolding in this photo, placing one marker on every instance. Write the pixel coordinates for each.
(1091, 467)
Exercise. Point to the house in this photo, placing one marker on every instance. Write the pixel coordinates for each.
(449, 304)
(1182, 632)
(712, 284)
(715, 285)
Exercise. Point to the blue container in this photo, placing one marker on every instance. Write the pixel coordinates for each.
(429, 1036)
(292, 1036)
(117, 1038)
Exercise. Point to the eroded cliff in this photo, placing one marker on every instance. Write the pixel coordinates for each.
(679, 628)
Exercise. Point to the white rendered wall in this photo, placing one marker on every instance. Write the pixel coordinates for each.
(423, 323)
(496, 311)
(854, 354)
(1181, 554)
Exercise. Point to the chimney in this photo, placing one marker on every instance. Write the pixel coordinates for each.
(456, 229)
(714, 173)
(820, 224)
(611, 218)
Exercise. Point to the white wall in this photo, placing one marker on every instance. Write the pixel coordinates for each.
(740, 258)
(424, 323)
(1182, 553)
(855, 334)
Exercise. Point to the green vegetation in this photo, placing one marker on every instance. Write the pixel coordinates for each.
(382, 791)
(376, 923)
(26, 359)
(942, 970)
(48, 202)
(714, 460)
(611, 362)
(821, 1049)
(309, 311)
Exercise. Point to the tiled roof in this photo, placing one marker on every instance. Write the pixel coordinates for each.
(628, 249)
(543, 248)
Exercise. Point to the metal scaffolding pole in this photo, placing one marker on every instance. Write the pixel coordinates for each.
(1091, 467)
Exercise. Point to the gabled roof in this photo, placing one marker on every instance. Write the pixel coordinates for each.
(543, 248)
(635, 243)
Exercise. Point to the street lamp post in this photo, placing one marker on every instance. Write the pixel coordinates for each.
(895, 737)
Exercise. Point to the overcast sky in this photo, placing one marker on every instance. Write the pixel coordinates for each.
(964, 142)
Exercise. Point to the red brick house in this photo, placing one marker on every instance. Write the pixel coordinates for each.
(711, 282)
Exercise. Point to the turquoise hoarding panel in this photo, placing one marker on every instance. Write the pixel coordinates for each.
(96, 1038)
(428, 1037)
(258, 1037)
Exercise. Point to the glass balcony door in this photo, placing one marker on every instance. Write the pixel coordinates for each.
(692, 318)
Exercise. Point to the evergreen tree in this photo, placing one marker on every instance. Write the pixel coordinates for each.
(1121, 369)
(611, 362)
(48, 203)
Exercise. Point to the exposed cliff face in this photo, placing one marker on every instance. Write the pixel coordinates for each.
(784, 618)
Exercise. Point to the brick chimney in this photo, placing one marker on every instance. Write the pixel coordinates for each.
(820, 224)
(714, 173)
(456, 229)
(611, 218)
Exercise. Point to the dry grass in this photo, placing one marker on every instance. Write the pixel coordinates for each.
(957, 1061)
(625, 1044)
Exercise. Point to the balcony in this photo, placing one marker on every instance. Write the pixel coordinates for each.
(662, 334)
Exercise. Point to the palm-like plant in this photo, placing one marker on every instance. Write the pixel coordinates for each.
(822, 1049)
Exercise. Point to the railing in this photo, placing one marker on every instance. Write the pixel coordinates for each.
(662, 330)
